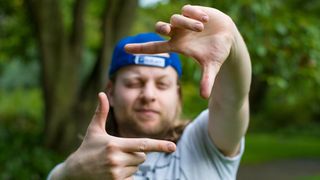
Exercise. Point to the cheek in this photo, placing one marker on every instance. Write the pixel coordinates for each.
(124, 98)
(170, 100)
(122, 104)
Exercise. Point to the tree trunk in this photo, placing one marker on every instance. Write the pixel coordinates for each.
(69, 103)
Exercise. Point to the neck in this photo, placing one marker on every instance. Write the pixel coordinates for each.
(130, 133)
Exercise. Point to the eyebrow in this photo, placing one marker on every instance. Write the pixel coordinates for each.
(143, 77)
(139, 74)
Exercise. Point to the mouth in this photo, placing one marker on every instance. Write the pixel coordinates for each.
(147, 112)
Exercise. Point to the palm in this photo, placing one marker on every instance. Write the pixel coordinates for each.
(203, 47)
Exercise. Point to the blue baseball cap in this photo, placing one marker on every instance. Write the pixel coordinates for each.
(120, 58)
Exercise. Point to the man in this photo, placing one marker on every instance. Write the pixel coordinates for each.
(144, 94)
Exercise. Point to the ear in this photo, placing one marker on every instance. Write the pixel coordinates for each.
(180, 93)
(110, 92)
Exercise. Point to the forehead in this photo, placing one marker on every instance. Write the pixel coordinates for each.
(147, 72)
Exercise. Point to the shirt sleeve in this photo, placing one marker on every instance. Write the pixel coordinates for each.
(197, 146)
(54, 170)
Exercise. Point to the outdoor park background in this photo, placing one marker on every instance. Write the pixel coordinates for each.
(54, 57)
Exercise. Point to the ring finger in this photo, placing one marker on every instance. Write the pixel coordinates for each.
(183, 22)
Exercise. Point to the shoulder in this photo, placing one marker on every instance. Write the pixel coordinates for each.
(196, 140)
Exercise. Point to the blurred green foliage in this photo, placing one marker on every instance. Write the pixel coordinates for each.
(21, 135)
(283, 146)
(283, 38)
(16, 40)
(22, 155)
(311, 177)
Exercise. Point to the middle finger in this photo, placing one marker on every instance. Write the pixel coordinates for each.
(183, 22)
(129, 158)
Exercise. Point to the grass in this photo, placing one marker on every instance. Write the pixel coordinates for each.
(313, 177)
(262, 148)
(266, 147)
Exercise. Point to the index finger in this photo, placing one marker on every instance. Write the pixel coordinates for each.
(146, 145)
(148, 48)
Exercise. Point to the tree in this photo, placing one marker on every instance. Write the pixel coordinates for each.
(284, 49)
(70, 100)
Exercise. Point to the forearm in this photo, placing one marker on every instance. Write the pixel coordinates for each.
(232, 84)
(228, 103)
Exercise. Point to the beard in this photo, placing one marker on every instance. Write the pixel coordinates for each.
(136, 128)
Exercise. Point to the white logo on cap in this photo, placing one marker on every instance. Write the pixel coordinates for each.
(150, 60)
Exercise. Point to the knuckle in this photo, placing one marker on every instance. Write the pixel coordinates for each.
(141, 157)
(161, 147)
(185, 8)
(115, 173)
(97, 113)
(100, 113)
(111, 147)
(174, 18)
(112, 161)
(143, 145)
(142, 48)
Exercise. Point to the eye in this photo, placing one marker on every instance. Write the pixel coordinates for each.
(163, 85)
(133, 84)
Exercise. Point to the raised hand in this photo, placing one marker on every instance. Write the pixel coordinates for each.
(102, 156)
(206, 34)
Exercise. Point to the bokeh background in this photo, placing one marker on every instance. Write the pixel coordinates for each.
(54, 57)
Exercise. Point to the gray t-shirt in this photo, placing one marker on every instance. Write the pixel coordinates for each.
(196, 158)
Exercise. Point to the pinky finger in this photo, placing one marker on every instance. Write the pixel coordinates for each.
(163, 28)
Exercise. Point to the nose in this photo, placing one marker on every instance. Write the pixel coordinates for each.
(148, 92)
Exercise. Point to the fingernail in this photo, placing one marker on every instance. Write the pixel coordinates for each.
(171, 147)
(163, 29)
(205, 18)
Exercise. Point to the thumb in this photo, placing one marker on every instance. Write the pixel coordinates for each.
(209, 73)
(99, 119)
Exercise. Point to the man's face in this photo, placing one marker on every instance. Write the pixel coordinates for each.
(145, 100)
